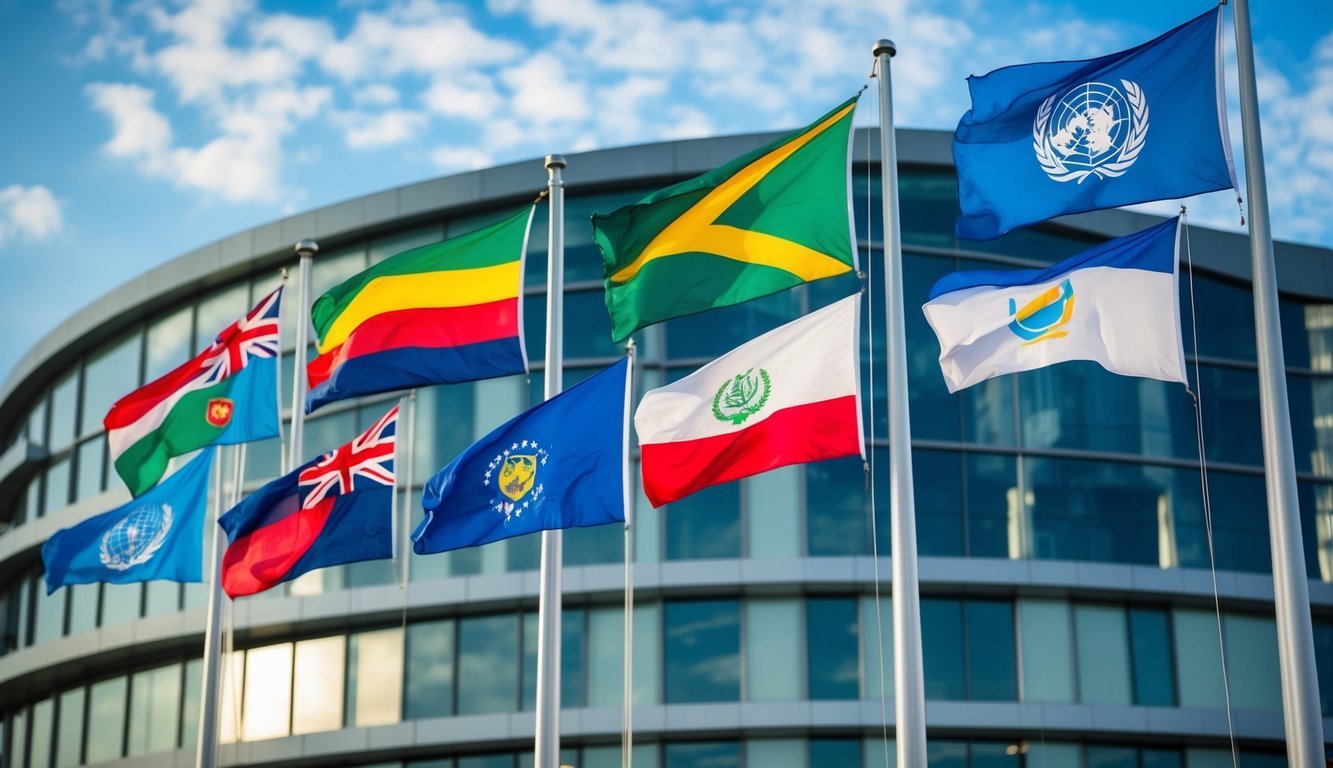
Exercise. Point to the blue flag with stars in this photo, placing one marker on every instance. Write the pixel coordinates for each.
(1051, 138)
(561, 464)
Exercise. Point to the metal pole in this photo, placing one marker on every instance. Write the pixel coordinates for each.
(407, 417)
(627, 693)
(206, 747)
(908, 683)
(306, 249)
(547, 747)
(1291, 595)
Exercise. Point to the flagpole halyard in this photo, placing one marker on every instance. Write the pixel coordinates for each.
(908, 681)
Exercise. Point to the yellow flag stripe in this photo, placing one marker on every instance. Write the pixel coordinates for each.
(424, 290)
(694, 230)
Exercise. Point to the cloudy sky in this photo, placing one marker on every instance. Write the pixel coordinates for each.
(136, 131)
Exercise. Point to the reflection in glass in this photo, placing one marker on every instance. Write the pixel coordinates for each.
(837, 515)
(1252, 664)
(318, 685)
(69, 734)
(488, 664)
(772, 647)
(942, 649)
(57, 487)
(154, 704)
(218, 311)
(82, 607)
(268, 692)
(64, 400)
(49, 623)
(722, 754)
(88, 483)
(831, 640)
(1103, 654)
(1150, 648)
(168, 343)
(375, 677)
(705, 524)
(702, 651)
(106, 719)
(991, 654)
(43, 712)
(109, 376)
(429, 678)
(1048, 650)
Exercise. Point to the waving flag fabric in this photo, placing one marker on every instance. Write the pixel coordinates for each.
(439, 314)
(1114, 304)
(334, 509)
(226, 395)
(157, 536)
(1046, 139)
(764, 222)
(561, 464)
(787, 397)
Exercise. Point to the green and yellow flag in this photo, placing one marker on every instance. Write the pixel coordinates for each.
(764, 222)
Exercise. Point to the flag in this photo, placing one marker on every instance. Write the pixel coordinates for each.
(788, 397)
(156, 536)
(762, 223)
(1114, 304)
(439, 314)
(561, 464)
(1051, 138)
(228, 394)
(331, 510)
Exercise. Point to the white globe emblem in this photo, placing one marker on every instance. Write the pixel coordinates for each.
(1092, 130)
(135, 539)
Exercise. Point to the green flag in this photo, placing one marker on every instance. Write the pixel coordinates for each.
(765, 222)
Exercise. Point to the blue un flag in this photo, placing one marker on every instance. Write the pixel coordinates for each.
(157, 536)
(561, 464)
(1052, 138)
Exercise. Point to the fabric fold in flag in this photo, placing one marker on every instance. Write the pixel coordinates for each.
(1046, 139)
(156, 536)
(560, 464)
(228, 394)
(788, 397)
(767, 221)
(332, 510)
(1115, 304)
(443, 313)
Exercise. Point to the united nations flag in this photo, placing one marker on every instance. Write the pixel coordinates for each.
(561, 464)
(157, 536)
(1051, 138)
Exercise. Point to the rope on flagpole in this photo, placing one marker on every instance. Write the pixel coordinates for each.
(1197, 395)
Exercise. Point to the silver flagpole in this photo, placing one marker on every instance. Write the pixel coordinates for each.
(546, 751)
(908, 681)
(1291, 595)
(306, 249)
(627, 694)
(206, 749)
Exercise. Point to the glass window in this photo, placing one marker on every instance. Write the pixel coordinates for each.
(990, 754)
(329, 432)
(1103, 654)
(1225, 311)
(942, 644)
(717, 331)
(702, 651)
(69, 734)
(572, 653)
(1240, 536)
(719, 754)
(89, 481)
(106, 720)
(606, 650)
(832, 653)
(82, 607)
(168, 343)
(773, 512)
(155, 700)
(647, 661)
(772, 646)
(266, 711)
(190, 705)
(1160, 758)
(776, 753)
(877, 646)
(945, 754)
(49, 623)
(39, 753)
(1323, 653)
(383, 247)
(162, 597)
(1150, 648)
(317, 692)
(1112, 757)
(120, 603)
(37, 423)
(705, 525)
(375, 677)
(1078, 406)
(1096, 510)
(429, 680)
(1311, 399)
(1048, 658)
(835, 753)
(332, 268)
(593, 545)
(837, 516)
(18, 738)
(991, 657)
(64, 402)
(1198, 662)
(219, 311)
(107, 378)
(1047, 753)
(487, 668)
(1252, 664)
(57, 487)
(1307, 333)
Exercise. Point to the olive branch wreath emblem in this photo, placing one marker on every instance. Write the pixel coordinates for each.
(1050, 161)
(111, 561)
(737, 393)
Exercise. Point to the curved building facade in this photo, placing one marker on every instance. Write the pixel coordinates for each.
(1067, 601)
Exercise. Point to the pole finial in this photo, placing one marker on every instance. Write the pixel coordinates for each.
(555, 161)
(884, 45)
(307, 247)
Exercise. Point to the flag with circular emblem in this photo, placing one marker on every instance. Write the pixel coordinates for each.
(767, 221)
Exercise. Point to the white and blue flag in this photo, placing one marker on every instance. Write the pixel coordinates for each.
(1114, 304)
(1052, 138)
(157, 536)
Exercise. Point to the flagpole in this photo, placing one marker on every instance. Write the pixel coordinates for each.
(908, 681)
(1291, 595)
(627, 694)
(546, 750)
(306, 250)
(206, 748)
(401, 539)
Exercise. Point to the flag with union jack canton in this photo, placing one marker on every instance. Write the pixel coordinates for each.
(227, 394)
(331, 510)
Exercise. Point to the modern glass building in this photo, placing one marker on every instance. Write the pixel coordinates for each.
(1067, 602)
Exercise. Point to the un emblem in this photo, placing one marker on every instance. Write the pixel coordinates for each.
(1091, 130)
(742, 396)
(1041, 318)
(135, 539)
(515, 474)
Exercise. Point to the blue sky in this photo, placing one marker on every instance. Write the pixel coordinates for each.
(136, 131)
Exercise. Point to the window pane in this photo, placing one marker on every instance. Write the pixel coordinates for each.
(995, 755)
(18, 735)
(877, 646)
(168, 343)
(154, 703)
(772, 648)
(773, 513)
(715, 332)
(82, 607)
(89, 481)
(57, 487)
(120, 603)
(69, 735)
(1150, 646)
(1048, 650)
(385, 246)
(776, 753)
(723, 754)
(106, 720)
(946, 754)
(49, 623)
(429, 679)
(702, 651)
(705, 524)
(991, 661)
(1160, 758)
(571, 657)
(835, 753)
(218, 311)
(837, 516)
(39, 753)
(487, 664)
(1198, 661)
(1225, 314)
(1098, 511)
(1323, 653)
(1252, 664)
(37, 422)
(64, 399)
(375, 677)
(1112, 757)
(831, 637)
(318, 689)
(266, 711)
(1103, 654)
(190, 704)
(107, 378)
(162, 597)
(942, 642)
(647, 662)
(329, 432)
(334, 267)
(606, 652)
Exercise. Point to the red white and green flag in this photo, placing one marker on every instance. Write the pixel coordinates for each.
(790, 396)
(228, 394)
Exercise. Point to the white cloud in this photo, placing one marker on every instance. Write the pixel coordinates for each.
(138, 131)
(32, 213)
(417, 37)
(459, 158)
(471, 96)
(367, 131)
(542, 91)
(376, 95)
